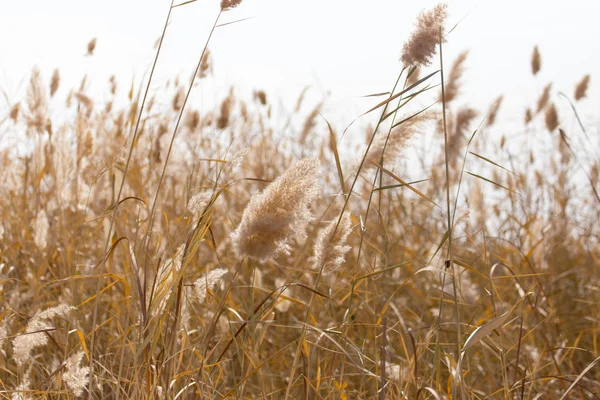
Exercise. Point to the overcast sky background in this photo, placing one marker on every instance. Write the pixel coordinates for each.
(345, 48)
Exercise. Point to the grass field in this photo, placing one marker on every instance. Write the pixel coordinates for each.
(161, 251)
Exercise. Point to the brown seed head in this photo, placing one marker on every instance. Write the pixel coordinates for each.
(91, 47)
(330, 246)
(205, 66)
(543, 100)
(581, 88)
(493, 112)
(14, 111)
(277, 214)
(261, 96)
(452, 87)
(421, 46)
(225, 114)
(178, 99)
(309, 122)
(536, 61)
(551, 118)
(54, 82)
(398, 140)
(37, 102)
(193, 120)
(458, 132)
(229, 4)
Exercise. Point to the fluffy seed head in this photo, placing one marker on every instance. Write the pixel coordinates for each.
(398, 140)
(229, 4)
(37, 102)
(226, 108)
(544, 98)
(493, 112)
(24, 344)
(279, 212)
(536, 61)
(55, 82)
(421, 46)
(551, 118)
(207, 282)
(581, 88)
(458, 132)
(178, 99)
(204, 65)
(14, 111)
(75, 377)
(91, 47)
(452, 87)
(261, 96)
(330, 247)
(198, 202)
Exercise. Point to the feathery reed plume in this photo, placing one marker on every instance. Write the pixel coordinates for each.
(87, 101)
(178, 99)
(37, 102)
(54, 82)
(493, 111)
(23, 386)
(41, 230)
(536, 61)
(198, 202)
(582, 87)
(205, 66)
(279, 212)
(208, 282)
(261, 96)
(75, 376)
(300, 99)
(421, 46)
(551, 118)
(14, 112)
(163, 283)
(330, 246)
(398, 140)
(229, 4)
(91, 47)
(225, 114)
(309, 122)
(34, 335)
(543, 100)
(238, 157)
(452, 88)
(528, 116)
(192, 120)
(457, 136)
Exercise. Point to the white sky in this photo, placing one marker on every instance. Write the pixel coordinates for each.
(350, 48)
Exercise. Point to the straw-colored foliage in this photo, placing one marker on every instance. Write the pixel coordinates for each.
(251, 254)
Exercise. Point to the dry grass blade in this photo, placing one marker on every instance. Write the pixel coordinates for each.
(490, 181)
(338, 164)
(491, 162)
(579, 377)
(416, 191)
(394, 97)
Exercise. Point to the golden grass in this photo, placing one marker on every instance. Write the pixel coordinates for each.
(254, 265)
